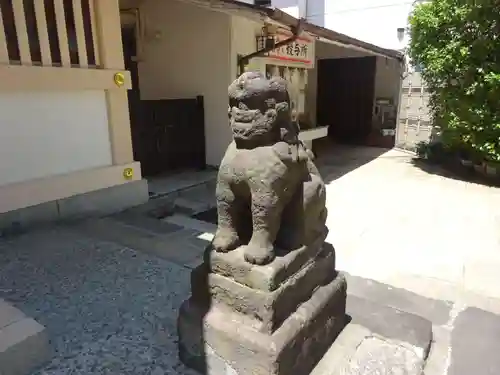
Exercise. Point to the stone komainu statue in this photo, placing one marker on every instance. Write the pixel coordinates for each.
(270, 195)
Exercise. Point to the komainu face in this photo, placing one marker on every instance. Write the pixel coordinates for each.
(258, 108)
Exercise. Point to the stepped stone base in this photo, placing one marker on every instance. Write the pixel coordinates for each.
(24, 343)
(281, 323)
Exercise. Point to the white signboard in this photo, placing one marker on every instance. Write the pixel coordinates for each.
(300, 51)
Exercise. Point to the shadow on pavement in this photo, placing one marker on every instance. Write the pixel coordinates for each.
(336, 160)
(455, 171)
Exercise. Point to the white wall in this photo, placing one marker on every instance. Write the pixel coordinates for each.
(388, 78)
(186, 52)
(49, 133)
(243, 42)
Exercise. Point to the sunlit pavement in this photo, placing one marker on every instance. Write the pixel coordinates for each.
(395, 223)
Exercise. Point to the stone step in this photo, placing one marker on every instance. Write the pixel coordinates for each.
(181, 246)
(191, 223)
(359, 351)
(189, 207)
(436, 311)
(148, 223)
(24, 343)
(379, 340)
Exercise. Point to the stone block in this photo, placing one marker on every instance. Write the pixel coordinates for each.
(267, 309)
(268, 277)
(24, 346)
(209, 335)
(475, 345)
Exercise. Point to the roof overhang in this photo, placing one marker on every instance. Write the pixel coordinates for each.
(276, 16)
(330, 36)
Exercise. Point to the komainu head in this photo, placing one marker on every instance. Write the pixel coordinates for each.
(259, 108)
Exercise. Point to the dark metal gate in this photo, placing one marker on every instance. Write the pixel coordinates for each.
(170, 135)
(167, 134)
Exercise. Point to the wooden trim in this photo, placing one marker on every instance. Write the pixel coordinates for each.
(22, 32)
(109, 34)
(120, 133)
(26, 78)
(109, 37)
(4, 53)
(94, 32)
(80, 34)
(48, 189)
(43, 33)
(62, 32)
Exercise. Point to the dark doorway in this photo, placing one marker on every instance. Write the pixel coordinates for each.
(345, 97)
(167, 134)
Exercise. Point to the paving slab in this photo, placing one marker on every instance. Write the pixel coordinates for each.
(359, 351)
(24, 346)
(189, 222)
(147, 223)
(9, 314)
(475, 343)
(172, 246)
(391, 323)
(434, 310)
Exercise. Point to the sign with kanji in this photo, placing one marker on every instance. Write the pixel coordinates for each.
(300, 51)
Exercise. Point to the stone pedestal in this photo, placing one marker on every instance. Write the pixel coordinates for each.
(275, 319)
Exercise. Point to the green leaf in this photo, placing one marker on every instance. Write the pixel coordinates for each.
(457, 43)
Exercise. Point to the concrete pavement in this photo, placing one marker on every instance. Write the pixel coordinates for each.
(421, 233)
(392, 222)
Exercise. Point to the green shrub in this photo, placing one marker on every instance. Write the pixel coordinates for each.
(457, 44)
(433, 151)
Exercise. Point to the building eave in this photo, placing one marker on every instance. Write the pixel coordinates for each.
(284, 18)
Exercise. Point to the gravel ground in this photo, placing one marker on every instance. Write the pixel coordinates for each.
(108, 309)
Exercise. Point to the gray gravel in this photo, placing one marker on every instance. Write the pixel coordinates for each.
(108, 309)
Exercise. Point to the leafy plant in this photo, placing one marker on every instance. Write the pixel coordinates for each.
(422, 149)
(457, 44)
